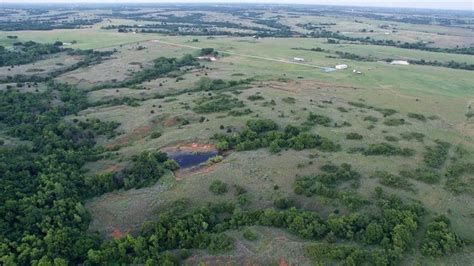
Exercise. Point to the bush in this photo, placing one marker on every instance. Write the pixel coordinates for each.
(240, 112)
(391, 138)
(218, 187)
(387, 150)
(394, 122)
(155, 135)
(284, 203)
(221, 102)
(261, 125)
(413, 135)
(392, 180)
(249, 234)
(220, 242)
(354, 136)
(436, 156)
(239, 190)
(417, 116)
(289, 100)
(439, 240)
(424, 175)
(171, 165)
(255, 97)
(314, 119)
(371, 118)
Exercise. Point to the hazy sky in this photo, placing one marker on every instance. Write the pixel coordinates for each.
(438, 4)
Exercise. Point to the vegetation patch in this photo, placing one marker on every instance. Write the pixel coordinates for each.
(436, 156)
(393, 122)
(439, 239)
(387, 149)
(425, 175)
(265, 133)
(315, 119)
(413, 135)
(416, 116)
(218, 103)
(218, 187)
(391, 180)
(354, 136)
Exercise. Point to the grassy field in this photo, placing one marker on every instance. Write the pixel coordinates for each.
(443, 95)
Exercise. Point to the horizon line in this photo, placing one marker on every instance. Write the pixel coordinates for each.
(145, 2)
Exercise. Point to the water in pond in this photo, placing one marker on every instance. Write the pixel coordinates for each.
(189, 159)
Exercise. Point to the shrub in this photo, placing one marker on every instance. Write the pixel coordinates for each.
(392, 180)
(413, 135)
(255, 97)
(239, 190)
(371, 118)
(394, 122)
(417, 116)
(284, 203)
(219, 103)
(391, 138)
(222, 145)
(315, 119)
(289, 100)
(155, 135)
(218, 187)
(386, 111)
(240, 112)
(354, 136)
(424, 175)
(436, 156)
(387, 150)
(249, 234)
(214, 160)
(171, 165)
(439, 239)
(261, 125)
(220, 242)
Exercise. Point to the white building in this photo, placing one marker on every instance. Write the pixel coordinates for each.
(207, 58)
(400, 62)
(299, 59)
(339, 67)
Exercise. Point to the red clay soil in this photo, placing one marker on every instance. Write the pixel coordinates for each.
(117, 234)
(190, 147)
(169, 122)
(283, 262)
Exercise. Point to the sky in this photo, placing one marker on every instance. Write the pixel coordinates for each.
(436, 4)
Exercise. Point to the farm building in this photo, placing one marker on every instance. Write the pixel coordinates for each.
(299, 59)
(400, 62)
(339, 67)
(207, 58)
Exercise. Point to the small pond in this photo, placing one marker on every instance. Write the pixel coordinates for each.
(189, 159)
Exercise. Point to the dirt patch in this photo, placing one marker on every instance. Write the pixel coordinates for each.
(169, 122)
(117, 233)
(283, 262)
(190, 147)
